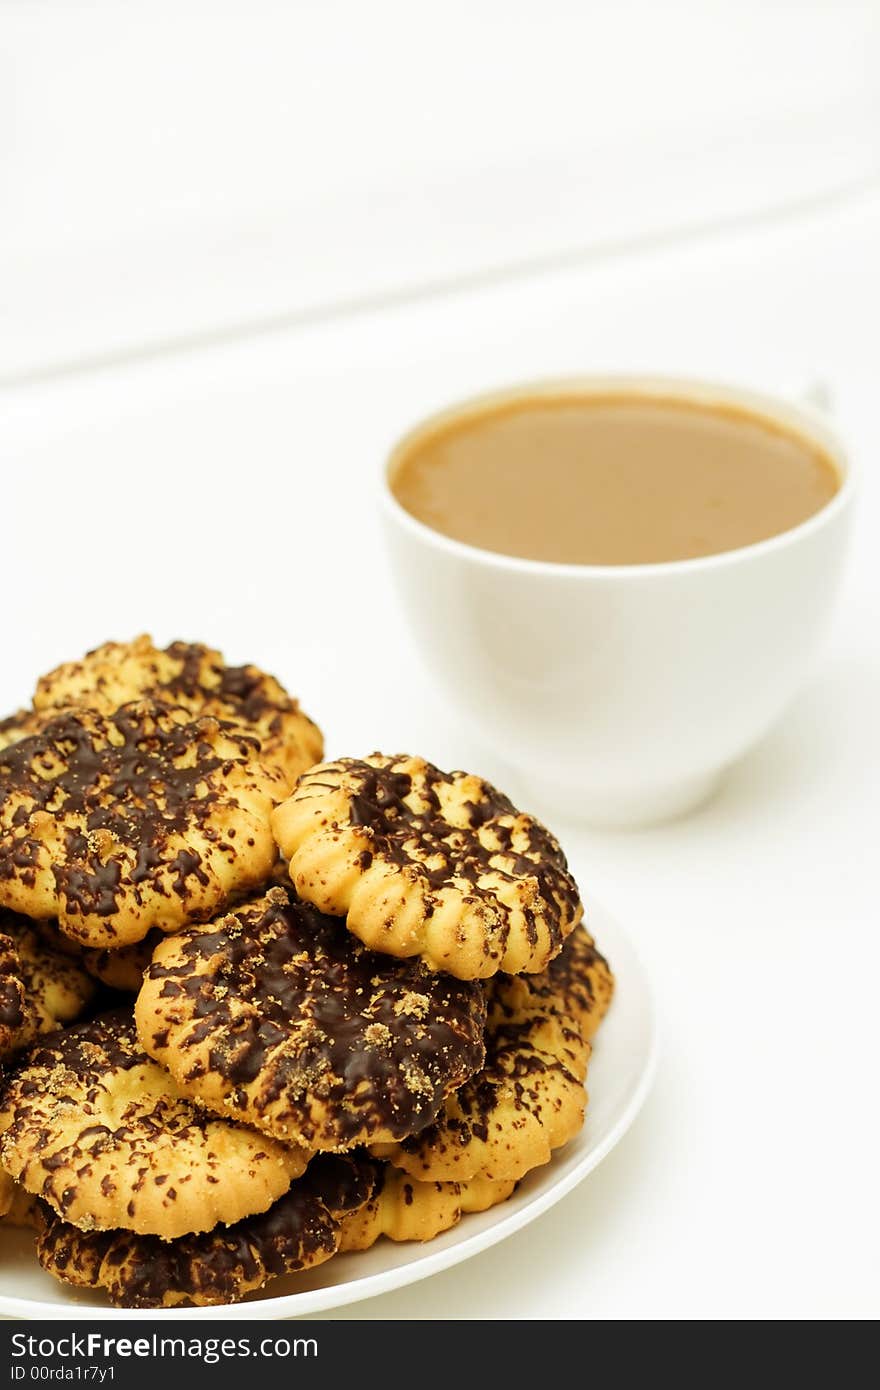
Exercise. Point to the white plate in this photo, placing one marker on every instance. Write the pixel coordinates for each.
(621, 1070)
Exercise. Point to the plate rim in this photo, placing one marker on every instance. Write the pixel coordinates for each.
(295, 1305)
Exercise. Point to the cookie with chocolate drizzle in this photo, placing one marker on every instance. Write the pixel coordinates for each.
(426, 863)
(196, 678)
(116, 823)
(529, 1099)
(101, 1133)
(20, 725)
(302, 1229)
(41, 986)
(403, 1208)
(277, 1015)
(15, 1030)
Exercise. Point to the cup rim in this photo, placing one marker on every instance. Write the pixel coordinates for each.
(794, 415)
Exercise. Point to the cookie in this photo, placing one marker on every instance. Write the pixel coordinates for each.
(114, 824)
(403, 1208)
(94, 1127)
(529, 1099)
(302, 1229)
(19, 725)
(15, 1023)
(276, 1015)
(7, 1191)
(197, 678)
(122, 969)
(17, 1207)
(427, 863)
(41, 986)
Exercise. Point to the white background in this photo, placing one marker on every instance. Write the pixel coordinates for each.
(424, 209)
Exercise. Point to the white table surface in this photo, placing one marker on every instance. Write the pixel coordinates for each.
(229, 495)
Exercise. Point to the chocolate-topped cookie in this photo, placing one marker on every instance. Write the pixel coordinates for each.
(196, 678)
(100, 1132)
(302, 1229)
(42, 987)
(278, 1016)
(529, 1099)
(426, 863)
(116, 823)
(19, 725)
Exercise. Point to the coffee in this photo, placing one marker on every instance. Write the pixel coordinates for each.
(618, 479)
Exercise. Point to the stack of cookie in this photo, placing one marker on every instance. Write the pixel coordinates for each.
(256, 1009)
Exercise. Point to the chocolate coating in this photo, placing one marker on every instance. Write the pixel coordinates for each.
(19, 725)
(277, 1012)
(446, 851)
(245, 691)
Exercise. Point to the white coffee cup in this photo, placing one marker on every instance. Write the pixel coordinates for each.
(621, 693)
